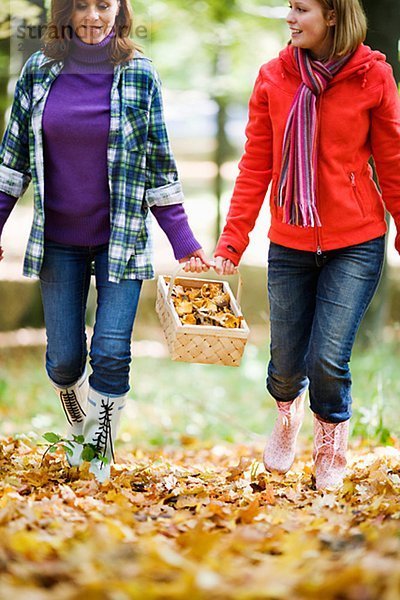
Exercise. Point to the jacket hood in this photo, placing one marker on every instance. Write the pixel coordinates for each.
(363, 59)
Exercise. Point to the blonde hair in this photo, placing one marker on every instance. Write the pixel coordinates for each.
(350, 28)
(58, 34)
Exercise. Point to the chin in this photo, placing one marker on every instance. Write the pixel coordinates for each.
(93, 40)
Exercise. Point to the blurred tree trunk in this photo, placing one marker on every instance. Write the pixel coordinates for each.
(220, 156)
(384, 29)
(223, 148)
(32, 41)
(383, 35)
(30, 17)
(4, 77)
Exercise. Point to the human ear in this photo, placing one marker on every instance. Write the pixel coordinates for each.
(331, 18)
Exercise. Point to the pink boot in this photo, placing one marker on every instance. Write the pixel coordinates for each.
(281, 446)
(330, 446)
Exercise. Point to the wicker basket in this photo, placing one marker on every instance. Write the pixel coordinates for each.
(200, 343)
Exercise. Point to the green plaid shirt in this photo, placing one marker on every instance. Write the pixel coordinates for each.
(141, 168)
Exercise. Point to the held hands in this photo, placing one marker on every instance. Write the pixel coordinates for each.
(196, 262)
(224, 266)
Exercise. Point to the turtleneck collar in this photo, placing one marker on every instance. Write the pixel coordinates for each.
(89, 58)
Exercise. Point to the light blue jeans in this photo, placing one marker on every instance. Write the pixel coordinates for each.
(64, 282)
(316, 306)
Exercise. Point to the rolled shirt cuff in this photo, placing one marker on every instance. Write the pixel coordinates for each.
(13, 182)
(165, 195)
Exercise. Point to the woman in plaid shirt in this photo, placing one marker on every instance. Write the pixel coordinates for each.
(87, 127)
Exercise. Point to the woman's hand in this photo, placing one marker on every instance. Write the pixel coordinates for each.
(224, 266)
(196, 262)
(1, 253)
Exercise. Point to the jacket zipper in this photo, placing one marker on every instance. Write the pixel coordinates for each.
(318, 250)
(359, 201)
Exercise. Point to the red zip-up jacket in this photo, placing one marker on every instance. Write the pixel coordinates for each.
(358, 117)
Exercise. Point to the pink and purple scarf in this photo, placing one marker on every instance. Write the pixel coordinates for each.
(296, 187)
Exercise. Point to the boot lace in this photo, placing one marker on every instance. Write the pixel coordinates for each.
(286, 413)
(72, 408)
(326, 438)
(103, 435)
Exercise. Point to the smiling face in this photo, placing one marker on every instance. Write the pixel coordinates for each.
(93, 20)
(311, 27)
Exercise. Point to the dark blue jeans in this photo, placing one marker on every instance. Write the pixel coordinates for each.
(64, 282)
(316, 306)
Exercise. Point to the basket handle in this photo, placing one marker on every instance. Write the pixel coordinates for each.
(180, 268)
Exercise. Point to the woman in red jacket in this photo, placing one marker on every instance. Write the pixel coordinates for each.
(317, 114)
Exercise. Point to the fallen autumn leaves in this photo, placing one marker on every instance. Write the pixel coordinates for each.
(194, 523)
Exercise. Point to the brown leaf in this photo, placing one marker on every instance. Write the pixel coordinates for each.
(248, 514)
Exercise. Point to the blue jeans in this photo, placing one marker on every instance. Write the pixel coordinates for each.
(64, 282)
(316, 306)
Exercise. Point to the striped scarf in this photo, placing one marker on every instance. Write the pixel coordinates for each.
(296, 187)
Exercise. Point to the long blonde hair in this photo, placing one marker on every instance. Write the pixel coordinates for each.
(350, 29)
(58, 33)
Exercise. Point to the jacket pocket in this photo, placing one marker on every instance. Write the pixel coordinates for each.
(135, 128)
(357, 192)
(273, 198)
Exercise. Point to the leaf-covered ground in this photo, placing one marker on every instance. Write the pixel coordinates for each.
(197, 522)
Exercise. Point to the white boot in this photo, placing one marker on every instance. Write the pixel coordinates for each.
(280, 449)
(74, 400)
(100, 430)
(330, 449)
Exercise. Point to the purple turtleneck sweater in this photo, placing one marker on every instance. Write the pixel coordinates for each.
(76, 118)
(77, 200)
